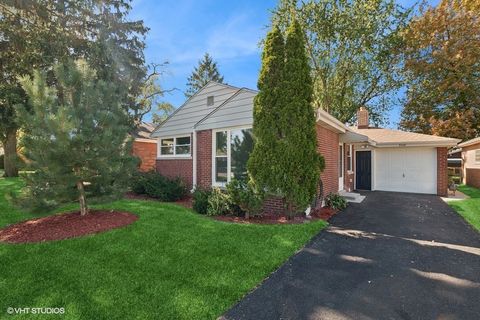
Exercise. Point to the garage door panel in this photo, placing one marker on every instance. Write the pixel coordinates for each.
(406, 170)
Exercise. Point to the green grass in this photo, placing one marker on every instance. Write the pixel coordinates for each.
(469, 209)
(170, 264)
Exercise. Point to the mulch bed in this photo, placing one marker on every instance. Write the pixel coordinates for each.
(65, 226)
(322, 213)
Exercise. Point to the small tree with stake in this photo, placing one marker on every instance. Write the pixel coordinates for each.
(77, 138)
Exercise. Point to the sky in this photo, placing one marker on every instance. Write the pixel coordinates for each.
(182, 31)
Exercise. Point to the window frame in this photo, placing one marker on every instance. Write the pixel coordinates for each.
(350, 158)
(477, 155)
(229, 153)
(174, 155)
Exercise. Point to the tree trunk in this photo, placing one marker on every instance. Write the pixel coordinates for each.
(10, 158)
(82, 199)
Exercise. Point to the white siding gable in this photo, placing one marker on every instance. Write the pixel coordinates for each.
(183, 120)
(236, 111)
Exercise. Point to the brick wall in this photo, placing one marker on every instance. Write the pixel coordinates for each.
(472, 177)
(273, 205)
(173, 168)
(147, 152)
(204, 158)
(442, 174)
(327, 144)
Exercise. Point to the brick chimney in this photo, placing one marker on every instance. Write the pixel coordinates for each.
(362, 118)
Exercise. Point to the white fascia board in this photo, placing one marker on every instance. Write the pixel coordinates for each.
(327, 120)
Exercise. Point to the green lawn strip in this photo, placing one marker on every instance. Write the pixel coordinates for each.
(171, 263)
(469, 209)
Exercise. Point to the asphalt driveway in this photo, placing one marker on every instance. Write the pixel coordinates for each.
(394, 256)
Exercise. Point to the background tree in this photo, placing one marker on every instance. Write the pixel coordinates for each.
(442, 54)
(38, 34)
(75, 143)
(263, 163)
(207, 70)
(352, 48)
(161, 112)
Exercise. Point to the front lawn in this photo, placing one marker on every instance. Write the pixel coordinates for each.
(469, 208)
(170, 264)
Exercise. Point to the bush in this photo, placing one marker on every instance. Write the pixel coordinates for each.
(218, 203)
(157, 186)
(245, 196)
(335, 201)
(200, 200)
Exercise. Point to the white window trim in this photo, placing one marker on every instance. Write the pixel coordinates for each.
(350, 151)
(214, 149)
(475, 156)
(174, 155)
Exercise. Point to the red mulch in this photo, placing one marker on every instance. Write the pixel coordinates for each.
(187, 202)
(322, 213)
(65, 226)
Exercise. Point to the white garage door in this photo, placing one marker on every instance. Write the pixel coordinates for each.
(406, 170)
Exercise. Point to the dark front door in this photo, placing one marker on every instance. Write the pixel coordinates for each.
(363, 173)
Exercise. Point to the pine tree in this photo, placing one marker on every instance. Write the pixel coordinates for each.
(300, 162)
(38, 34)
(263, 163)
(207, 70)
(76, 140)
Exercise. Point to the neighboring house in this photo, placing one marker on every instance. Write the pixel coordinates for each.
(145, 147)
(208, 139)
(471, 162)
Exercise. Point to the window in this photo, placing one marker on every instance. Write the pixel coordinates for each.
(232, 149)
(340, 162)
(179, 146)
(210, 101)
(349, 158)
(477, 156)
(221, 156)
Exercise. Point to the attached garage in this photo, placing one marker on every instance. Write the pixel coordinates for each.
(399, 161)
(406, 170)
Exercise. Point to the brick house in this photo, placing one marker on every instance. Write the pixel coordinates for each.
(471, 162)
(207, 141)
(145, 147)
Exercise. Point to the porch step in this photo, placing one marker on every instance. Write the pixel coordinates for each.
(352, 196)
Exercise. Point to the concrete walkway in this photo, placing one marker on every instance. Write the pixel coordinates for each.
(394, 256)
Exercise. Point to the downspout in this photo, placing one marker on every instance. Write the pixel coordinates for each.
(194, 159)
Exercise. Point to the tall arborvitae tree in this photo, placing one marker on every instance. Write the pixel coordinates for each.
(76, 142)
(300, 162)
(207, 70)
(263, 163)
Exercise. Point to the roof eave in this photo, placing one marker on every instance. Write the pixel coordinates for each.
(330, 122)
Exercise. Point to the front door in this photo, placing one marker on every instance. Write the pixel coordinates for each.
(363, 173)
(340, 167)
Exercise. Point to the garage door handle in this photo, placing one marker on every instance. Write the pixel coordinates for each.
(403, 175)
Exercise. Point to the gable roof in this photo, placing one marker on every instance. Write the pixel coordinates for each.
(235, 111)
(184, 118)
(469, 142)
(390, 137)
(143, 131)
